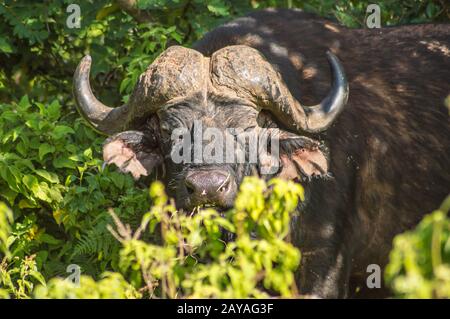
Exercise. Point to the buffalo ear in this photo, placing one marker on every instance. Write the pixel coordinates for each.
(132, 153)
(301, 158)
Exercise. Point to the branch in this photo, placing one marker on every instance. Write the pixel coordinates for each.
(130, 7)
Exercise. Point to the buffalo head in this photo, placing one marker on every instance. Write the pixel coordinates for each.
(185, 92)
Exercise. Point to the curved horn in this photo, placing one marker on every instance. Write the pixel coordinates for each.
(250, 75)
(102, 118)
(320, 116)
(177, 72)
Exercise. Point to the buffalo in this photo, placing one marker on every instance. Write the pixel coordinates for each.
(359, 115)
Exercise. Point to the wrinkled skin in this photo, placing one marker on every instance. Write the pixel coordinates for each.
(382, 164)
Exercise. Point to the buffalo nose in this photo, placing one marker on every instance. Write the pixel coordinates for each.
(210, 187)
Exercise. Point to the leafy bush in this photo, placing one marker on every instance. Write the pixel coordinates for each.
(192, 260)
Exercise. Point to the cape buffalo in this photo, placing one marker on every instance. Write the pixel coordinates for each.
(359, 115)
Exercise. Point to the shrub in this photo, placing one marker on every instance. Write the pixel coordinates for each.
(51, 176)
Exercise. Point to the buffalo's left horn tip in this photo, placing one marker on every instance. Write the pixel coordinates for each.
(85, 63)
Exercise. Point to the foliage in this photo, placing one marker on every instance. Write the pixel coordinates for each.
(40, 51)
(194, 256)
(57, 194)
(53, 180)
(420, 260)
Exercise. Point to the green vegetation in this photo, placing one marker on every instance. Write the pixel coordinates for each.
(57, 200)
(192, 260)
(420, 260)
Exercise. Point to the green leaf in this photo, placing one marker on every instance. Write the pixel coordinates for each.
(38, 276)
(118, 180)
(6, 46)
(9, 195)
(106, 11)
(39, 190)
(49, 176)
(55, 194)
(53, 111)
(432, 10)
(30, 181)
(88, 153)
(6, 174)
(27, 203)
(64, 162)
(218, 7)
(41, 257)
(22, 148)
(49, 239)
(24, 103)
(61, 131)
